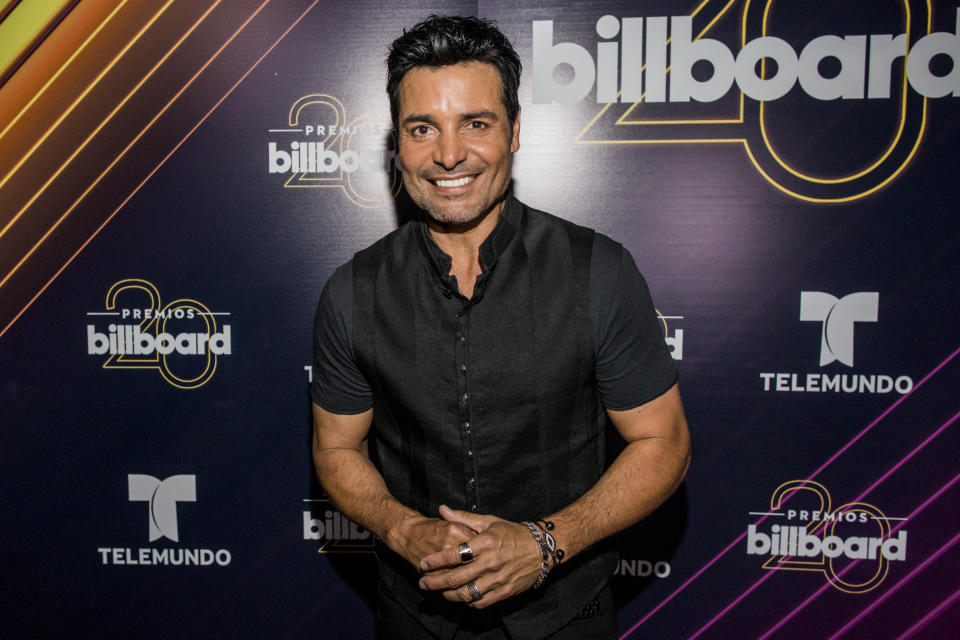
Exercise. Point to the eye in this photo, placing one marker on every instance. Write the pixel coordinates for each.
(420, 130)
(478, 124)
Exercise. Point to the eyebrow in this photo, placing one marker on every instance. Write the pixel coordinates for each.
(479, 115)
(429, 119)
(419, 117)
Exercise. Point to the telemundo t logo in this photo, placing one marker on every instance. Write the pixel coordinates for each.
(162, 496)
(837, 317)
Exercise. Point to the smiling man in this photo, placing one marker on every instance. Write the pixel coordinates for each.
(465, 368)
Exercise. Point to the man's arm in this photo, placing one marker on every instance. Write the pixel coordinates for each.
(357, 488)
(641, 478)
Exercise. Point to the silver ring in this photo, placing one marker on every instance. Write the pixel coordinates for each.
(474, 591)
(466, 553)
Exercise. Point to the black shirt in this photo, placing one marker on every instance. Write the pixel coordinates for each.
(492, 404)
(631, 368)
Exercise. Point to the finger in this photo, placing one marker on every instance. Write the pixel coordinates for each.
(448, 579)
(443, 559)
(476, 522)
(488, 594)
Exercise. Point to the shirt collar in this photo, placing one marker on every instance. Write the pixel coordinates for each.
(490, 249)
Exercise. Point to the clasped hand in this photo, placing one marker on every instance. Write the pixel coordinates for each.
(506, 561)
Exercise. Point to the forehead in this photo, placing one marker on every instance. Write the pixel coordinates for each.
(462, 87)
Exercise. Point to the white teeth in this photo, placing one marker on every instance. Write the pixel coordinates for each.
(459, 182)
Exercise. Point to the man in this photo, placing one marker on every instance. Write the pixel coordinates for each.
(466, 364)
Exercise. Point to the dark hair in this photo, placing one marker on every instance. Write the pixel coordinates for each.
(443, 40)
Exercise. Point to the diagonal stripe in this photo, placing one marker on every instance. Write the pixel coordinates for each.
(93, 134)
(737, 540)
(172, 151)
(66, 64)
(22, 27)
(927, 619)
(899, 526)
(68, 111)
(916, 450)
(6, 6)
(827, 585)
(892, 590)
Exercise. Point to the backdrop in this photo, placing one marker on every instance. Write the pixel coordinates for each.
(179, 178)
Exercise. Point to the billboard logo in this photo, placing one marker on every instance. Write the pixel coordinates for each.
(339, 534)
(182, 339)
(641, 63)
(675, 341)
(734, 72)
(162, 498)
(357, 157)
(852, 545)
(837, 318)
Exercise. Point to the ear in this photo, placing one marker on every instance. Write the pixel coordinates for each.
(515, 136)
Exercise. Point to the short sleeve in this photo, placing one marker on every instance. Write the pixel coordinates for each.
(634, 364)
(338, 384)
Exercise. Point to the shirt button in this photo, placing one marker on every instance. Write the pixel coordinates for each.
(469, 454)
(462, 339)
(465, 399)
(473, 508)
(463, 369)
(459, 313)
(466, 428)
(447, 293)
(472, 483)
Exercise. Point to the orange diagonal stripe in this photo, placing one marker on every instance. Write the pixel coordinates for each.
(165, 158)
(70, 109)
(93, 134)
(62, 67)
(135, 139)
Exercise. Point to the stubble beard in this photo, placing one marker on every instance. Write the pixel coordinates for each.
(457, 214)
(454, 212)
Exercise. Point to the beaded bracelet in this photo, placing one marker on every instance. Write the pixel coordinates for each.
(551, 542)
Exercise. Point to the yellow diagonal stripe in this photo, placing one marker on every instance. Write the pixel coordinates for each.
(23, 26)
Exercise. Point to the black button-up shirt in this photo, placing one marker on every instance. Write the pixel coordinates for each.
(492, 404)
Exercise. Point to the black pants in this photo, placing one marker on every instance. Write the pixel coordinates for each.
(396, 623)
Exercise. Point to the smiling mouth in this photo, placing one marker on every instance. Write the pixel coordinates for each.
(458, 182)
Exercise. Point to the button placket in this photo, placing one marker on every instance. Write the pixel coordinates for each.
(464, 401)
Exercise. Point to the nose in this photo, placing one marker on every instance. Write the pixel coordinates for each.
(449, 151)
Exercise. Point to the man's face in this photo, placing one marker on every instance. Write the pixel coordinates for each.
(456, 143)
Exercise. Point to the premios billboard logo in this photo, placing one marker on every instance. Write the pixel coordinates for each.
(853, 544)
(162, 498)
(336, 532)
(720, 76)
(837, 318)
(182, 339)
(319, 147)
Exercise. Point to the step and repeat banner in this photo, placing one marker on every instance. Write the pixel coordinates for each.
(178, 180)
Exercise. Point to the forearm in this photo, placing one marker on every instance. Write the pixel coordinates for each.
(359, 491)
(643, 476)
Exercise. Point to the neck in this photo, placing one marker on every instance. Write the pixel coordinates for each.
(462, 244)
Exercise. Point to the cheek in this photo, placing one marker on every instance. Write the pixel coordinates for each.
(409, 160)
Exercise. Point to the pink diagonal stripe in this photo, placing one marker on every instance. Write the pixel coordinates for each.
(737, 540)
(925, 620)
(892, 590)
(828, 585)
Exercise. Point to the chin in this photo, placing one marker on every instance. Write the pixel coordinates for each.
(456, 217)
